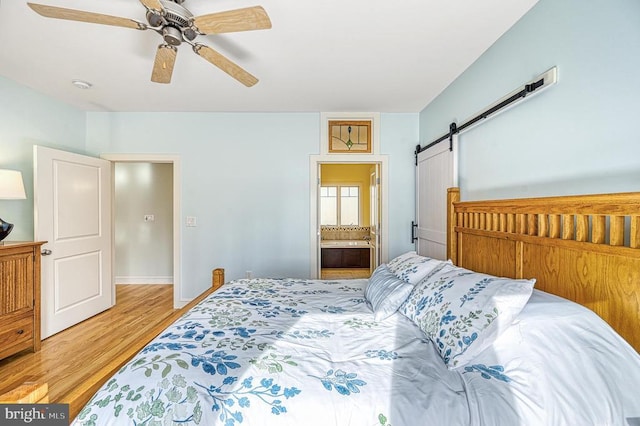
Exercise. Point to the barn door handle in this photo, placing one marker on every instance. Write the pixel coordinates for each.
(45, 252)
(414, 226)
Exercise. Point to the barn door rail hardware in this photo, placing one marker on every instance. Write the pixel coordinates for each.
(534, 86)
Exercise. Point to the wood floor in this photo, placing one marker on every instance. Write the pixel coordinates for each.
(346, 273)
(69, 357)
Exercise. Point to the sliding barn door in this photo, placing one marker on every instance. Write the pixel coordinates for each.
(436, 171)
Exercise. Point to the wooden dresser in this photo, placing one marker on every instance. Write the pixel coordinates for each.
(19, 297)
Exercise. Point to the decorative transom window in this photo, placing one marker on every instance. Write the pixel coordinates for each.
(340, 205)
(350, 136)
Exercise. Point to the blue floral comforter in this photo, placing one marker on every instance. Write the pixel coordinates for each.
(308, 352)
(286, 352)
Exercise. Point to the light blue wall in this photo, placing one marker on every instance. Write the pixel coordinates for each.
(29, 118)
(399, 136)
(245, 176)
(576, 137)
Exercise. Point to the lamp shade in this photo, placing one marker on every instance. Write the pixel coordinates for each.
(11, 185)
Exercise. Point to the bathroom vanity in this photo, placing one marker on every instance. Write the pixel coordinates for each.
(345, 253)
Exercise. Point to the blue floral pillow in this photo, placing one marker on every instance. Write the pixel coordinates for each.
(411, 267)
(385, 292)
(463, 311)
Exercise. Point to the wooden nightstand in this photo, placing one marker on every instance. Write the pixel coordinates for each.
(19, 297)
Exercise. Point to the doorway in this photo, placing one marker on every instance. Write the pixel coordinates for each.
(146, 222)
(76, 193)
(375, 236)
(143, 223)
(347, 216)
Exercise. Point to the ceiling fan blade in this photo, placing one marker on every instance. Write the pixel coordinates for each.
(82, 16)
(163, 65)
(225, 64)
(152, 4)
(250, 18)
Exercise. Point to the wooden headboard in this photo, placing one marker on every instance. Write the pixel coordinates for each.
(585, 248)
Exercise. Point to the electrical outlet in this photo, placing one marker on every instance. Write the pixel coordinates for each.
(192, 221)
(149, 218)
(249, 274)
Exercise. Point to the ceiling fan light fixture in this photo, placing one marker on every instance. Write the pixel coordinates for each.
(81, 84)
(175, 25)
(172, 36)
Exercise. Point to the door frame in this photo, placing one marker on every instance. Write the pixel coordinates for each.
(314, 227)
(178, 300)
(374, 213)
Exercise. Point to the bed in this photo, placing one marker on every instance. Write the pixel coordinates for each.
(533, 320)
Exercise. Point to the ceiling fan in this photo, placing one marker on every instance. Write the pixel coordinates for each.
(177, 25)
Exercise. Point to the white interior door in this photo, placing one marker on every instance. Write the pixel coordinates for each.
(73, 214)
(436, 171)
(374, 220)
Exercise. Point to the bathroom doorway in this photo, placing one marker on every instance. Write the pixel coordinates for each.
(348, 216)
(346, 220)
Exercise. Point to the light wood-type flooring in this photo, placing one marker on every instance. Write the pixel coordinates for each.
(70, 356)
(344, 273)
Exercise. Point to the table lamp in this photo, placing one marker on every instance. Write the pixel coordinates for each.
(11, 188)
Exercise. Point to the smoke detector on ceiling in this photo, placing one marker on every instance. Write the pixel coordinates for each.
(80, 84)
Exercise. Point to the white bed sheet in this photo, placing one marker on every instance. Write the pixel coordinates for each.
(566, 367)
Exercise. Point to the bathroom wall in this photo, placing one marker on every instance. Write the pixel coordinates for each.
(350, 174)
(344, 232)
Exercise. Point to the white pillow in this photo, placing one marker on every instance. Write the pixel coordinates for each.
(463, 311)
(411, 267)
(385, 292)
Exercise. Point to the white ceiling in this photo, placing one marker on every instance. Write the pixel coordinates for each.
(321, 55)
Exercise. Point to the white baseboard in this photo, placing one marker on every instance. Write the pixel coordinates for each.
(144, 280)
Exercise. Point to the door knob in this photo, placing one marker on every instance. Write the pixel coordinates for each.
(46, 252)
